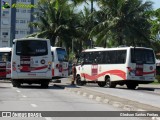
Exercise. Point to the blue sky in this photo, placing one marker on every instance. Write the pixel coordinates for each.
(156, 3)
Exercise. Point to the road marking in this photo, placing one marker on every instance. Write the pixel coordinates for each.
(48, 118)
(18, 91)
(33, 105)
(24, 96)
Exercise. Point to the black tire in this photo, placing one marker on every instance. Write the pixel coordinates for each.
(44, 84)
(110, 84)
(79, 82)
(101, 84)
(15, 83)
(131, 86)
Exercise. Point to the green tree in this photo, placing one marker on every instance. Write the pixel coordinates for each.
(154, 19)
(55, 18)
(123, 22)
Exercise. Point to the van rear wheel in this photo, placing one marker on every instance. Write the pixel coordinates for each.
(101, 84)
(110, 84)
(44, 84)
(16, 83)
(131, 86)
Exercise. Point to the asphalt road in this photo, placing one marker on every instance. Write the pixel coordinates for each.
(34, 98)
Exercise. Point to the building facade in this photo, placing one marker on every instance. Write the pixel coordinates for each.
(15, 17)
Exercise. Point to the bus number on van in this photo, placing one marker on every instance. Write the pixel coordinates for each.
(40, 50)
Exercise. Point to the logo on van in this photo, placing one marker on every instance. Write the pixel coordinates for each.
(42, 61)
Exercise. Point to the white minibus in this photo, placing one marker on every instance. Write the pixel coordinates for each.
(59, 63)
(111, 66)
(31, 61)
(5, 63)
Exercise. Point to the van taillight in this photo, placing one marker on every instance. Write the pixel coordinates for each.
(49, 63)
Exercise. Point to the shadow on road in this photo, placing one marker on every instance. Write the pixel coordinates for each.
(148, 88)
(34, 86)
(3, 87)
(51, 86)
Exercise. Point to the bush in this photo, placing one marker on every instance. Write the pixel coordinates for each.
(158, 78)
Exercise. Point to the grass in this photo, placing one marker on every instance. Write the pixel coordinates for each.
(155, 82)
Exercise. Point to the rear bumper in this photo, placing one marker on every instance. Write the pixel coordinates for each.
(31, 75)
(141, 78)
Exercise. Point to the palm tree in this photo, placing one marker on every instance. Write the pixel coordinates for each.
(122, 22)
(54, 21)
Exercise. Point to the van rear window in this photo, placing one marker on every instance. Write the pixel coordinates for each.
(31, 48)
(144, 56)
(62, 54)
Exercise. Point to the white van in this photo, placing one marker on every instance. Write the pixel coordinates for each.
(59, 63)
(31, 61)
(111, 66)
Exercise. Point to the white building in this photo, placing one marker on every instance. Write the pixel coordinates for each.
(14, 20)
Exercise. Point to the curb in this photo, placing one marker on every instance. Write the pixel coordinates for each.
(118, 102)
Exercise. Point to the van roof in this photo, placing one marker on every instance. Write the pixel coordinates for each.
(29, 39)
(115, 48)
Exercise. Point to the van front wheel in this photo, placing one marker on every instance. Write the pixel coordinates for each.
(79, 82)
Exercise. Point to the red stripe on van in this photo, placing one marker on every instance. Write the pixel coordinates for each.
(119, 73)
(29, 69)
(146, 73)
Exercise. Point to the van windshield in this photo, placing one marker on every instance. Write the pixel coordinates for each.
(31, 48)
(5, 56)
(62, 54)
(144, 56)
